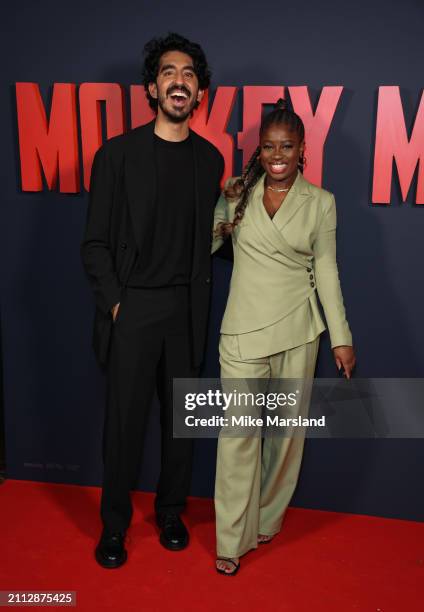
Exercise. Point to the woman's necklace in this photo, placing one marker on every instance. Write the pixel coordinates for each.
(277, 190)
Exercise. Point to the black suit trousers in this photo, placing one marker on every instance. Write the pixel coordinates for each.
(150, 346)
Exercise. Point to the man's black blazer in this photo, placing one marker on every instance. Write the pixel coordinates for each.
(122, 194)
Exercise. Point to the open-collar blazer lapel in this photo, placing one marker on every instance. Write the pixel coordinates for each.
(140, 178)
(294, 200)
(202, 232)
(297, 196)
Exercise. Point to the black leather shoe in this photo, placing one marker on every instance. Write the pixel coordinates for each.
(110, 551)
(173, 532)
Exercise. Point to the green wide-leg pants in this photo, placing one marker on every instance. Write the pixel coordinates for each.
(254, 485)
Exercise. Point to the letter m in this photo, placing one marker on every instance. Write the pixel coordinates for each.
(391, 142)
(48, 146)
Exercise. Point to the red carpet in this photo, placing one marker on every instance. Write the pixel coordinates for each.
(320, 562)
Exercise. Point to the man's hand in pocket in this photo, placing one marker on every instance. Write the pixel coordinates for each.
(115, 311)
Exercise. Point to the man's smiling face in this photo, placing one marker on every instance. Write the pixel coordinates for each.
(177, 86)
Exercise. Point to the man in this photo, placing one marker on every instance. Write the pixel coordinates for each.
(146, 251)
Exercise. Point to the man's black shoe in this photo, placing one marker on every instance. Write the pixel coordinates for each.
(110, 551)
(173, 532)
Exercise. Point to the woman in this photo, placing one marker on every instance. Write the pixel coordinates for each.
(283, 230)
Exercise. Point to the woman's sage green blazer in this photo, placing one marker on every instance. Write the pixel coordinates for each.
(280, 264)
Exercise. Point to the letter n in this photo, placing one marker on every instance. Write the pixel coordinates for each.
(48, 146)
(391, 142)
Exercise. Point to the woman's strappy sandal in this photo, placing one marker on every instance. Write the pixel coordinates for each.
(222, 571)
(270, 538)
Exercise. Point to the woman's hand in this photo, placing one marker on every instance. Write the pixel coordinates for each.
(223, 230)
(345, 359)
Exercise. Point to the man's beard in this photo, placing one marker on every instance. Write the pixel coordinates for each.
(175, 116)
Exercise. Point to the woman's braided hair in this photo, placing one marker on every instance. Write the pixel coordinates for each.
(242, 187)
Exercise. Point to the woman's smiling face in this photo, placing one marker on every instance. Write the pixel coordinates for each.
(281, 149)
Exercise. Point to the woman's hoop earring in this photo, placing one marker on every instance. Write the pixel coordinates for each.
(302, 161)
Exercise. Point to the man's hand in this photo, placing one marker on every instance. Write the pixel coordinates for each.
(345, 359)
(114, 311)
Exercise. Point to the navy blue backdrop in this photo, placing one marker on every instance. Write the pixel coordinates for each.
(53, 389)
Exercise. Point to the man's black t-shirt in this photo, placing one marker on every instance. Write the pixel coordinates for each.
(166, 252)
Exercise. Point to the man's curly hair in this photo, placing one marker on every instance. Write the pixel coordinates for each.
(155, 48)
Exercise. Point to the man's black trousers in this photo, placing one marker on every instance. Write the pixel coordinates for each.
(150, 346)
